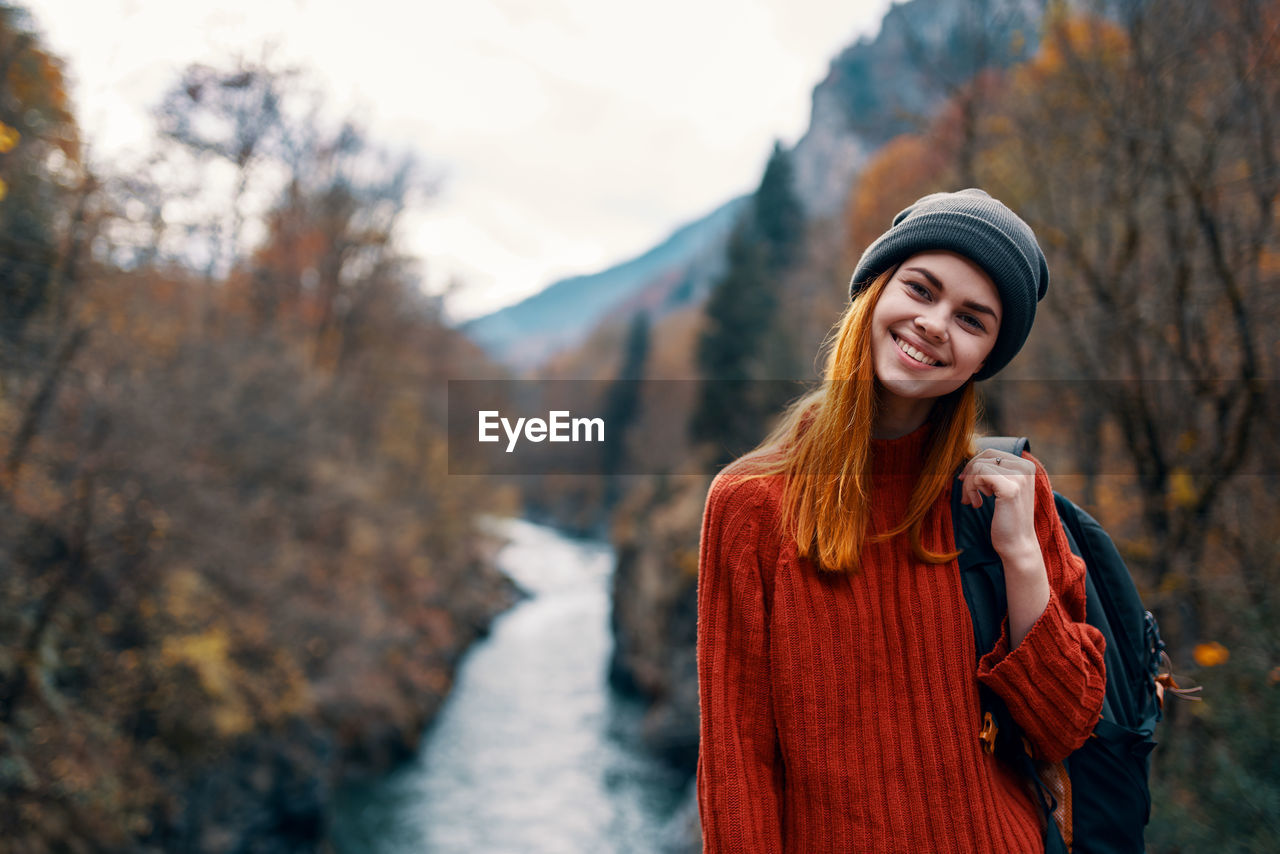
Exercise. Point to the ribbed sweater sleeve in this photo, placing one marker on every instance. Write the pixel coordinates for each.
(739, 765)
(1054, 681)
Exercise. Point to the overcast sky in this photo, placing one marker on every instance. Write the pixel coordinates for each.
(571, 134)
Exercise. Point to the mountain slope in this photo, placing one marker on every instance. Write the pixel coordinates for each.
(524, 335)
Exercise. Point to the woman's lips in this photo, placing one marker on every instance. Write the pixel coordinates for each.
(910, 353)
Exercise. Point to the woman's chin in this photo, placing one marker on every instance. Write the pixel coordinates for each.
(917, 388)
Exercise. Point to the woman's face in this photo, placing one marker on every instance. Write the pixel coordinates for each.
(934, 325)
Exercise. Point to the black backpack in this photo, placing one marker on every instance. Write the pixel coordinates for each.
(1111, 798)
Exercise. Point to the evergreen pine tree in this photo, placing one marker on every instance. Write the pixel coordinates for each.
(623, 401)
(737, 353)
(779, 218)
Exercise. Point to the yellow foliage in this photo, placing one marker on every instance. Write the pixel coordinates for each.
(292, 694)
(232, 719)
(9, 138)
(687, 562)
(1057, 82)
(1182, 489)
(1210, 654)
(1138, 548)
(186, 594)
(208, 655)
(1080, 37)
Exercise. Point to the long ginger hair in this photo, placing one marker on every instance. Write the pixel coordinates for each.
(822, 446)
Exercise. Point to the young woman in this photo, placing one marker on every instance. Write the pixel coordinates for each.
(836, 660)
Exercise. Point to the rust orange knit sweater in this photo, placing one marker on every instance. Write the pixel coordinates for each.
(840, 711)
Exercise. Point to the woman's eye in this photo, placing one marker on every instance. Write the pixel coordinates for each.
(918, 289)
(972, 322)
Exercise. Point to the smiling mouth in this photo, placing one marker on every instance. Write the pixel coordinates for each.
(914, 353)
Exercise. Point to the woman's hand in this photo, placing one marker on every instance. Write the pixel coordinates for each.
(1012, 480)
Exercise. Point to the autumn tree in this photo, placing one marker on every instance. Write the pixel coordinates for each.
(1139, 143)
(230, 565)
(1157, 201)
(39, 147)
(1142, 148)
(951, 48)
(237, 118)
(327, 262)
(344, 200)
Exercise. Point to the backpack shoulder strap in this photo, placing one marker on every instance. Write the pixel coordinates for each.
(1009, 444)
(982, 579)
(982, 583)
(981, 574)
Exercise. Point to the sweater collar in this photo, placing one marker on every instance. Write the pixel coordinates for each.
(903, 455)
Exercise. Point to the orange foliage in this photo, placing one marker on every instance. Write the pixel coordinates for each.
(901, 171)
(1211, 654)
(230, 544)
(35, 80)
(1070, 39)
(257, 580)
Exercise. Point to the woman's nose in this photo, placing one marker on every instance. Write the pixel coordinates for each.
(931, 327)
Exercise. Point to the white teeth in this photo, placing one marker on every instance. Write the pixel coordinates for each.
(914, 353)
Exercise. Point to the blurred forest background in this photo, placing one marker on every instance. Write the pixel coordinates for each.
(233, 567)
(234, 571)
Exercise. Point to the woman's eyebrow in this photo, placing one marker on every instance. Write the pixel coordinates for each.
(933, 280)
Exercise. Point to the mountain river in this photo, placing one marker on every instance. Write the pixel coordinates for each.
(531, 753)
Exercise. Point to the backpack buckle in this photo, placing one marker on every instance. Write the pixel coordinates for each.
(987, 735)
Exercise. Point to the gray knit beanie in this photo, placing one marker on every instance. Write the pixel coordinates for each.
(982, 229)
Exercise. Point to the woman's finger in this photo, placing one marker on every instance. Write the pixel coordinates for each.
(990, 463)
(1000, 459)
(981, 483)
(991, 480)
